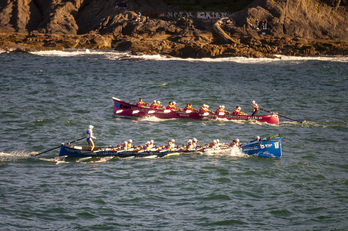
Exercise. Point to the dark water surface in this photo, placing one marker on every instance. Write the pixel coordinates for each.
(51, 97)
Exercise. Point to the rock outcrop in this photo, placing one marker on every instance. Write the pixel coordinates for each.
(296, 27)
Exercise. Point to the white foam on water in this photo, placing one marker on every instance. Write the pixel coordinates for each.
(116, 55)
(153, 119)
(15, 155)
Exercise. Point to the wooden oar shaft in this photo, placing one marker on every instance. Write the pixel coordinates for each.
(58, 146)
(281, 115)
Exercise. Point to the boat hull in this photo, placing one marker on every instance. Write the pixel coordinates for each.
(264, 148)
(80, 152)
(122, 108)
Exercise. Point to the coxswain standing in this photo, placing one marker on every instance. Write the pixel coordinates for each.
(256, 108)
(141, 103)
(90, 136)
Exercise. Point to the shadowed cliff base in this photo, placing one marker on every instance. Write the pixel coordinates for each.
(263, 29)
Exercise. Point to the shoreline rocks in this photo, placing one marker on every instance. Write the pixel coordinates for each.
(91, 25)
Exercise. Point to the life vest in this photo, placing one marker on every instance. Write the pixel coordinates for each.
(202, 110)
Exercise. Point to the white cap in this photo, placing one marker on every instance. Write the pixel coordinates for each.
(190, 141)
(237, 140)
(125, 142)
(148, 142)
(174, 102)
(154, 101)
(90, 126)
(253, 101)
(207, 105)
(158, 101)
(172, 140)
(258, 137)
(194, 139)
(217, 140)
(130, 141)
(239, 107)
(223, 106)
(214, 141)
(152, 141)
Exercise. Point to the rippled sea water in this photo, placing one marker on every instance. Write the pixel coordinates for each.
(51, 97)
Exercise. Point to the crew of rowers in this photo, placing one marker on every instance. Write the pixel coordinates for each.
(191, 145)
(204, 109)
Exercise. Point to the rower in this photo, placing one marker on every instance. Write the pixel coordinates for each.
(238, 112)
(204, 108)
(146, 147)
(234, 143)
(117, 148)
(257, 138)
(152, 144)
(159, 105)
(213, 145)
(190, 108)
(255, 108)
(221, 109)
(90, 136)
(194, 143)
(171, 106)
(129, 145)
(175, 107)
(168, 147)
(141, 103)
(124, 146)
(188, 147)
(154, 105)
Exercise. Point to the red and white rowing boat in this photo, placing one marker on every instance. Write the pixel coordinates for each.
(123, 108)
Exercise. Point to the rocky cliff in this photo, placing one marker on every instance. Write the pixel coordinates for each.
(294, 27)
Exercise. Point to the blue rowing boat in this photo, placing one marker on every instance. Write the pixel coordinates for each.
(267, 147)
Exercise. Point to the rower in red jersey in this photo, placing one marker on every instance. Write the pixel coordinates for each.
(141, 103)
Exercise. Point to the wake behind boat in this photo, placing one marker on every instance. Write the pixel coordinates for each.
(122, 108)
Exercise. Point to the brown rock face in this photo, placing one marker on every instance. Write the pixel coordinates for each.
(296, 27)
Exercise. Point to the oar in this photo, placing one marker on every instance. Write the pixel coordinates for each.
(282, 116)
(58, 146)
(271, 137)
